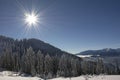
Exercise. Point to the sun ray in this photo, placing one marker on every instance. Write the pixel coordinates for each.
(31, 19)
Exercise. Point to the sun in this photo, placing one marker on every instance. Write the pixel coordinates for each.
(31, 19)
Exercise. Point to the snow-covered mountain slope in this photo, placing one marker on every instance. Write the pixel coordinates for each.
(103, 52)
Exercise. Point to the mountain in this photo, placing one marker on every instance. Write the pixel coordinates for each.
(110, 57)
(24, 44)
(102, 52)
(35, 57)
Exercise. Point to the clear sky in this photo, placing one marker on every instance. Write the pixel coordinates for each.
(71, 25)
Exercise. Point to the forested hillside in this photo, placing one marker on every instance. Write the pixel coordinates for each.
(37, 58)
(34, 57)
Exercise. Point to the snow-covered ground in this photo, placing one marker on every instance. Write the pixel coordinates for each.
(18, 78)
(7, 75)
(101, 77)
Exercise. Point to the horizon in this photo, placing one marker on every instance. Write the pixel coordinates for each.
(72, 26)
(58, 47)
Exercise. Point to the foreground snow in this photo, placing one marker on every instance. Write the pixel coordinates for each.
(7, 75)
(101, 77)
(18, 78)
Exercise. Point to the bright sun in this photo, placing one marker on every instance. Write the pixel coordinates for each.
(31, 19)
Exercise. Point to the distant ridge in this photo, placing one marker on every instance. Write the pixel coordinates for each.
(102, 52)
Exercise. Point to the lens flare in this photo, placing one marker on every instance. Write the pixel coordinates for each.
(31, 19)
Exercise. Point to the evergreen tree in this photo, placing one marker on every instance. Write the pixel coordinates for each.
(99, 66)
(40, 63)
(48, 67)
(29, 62)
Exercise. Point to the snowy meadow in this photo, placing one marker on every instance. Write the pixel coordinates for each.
(8, 75)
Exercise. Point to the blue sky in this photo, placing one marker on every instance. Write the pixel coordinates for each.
(71, 25)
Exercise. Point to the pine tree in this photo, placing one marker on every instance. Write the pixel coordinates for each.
(28, 61)
(16, 61)
(48, 66)
(55, 63)
(39, 63)
(99, 66)
(7, 59)
(64, 66)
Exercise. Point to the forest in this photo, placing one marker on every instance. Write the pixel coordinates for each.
(14, 56)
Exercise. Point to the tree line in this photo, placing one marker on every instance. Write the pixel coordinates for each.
(39, 64)
(51, 66)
